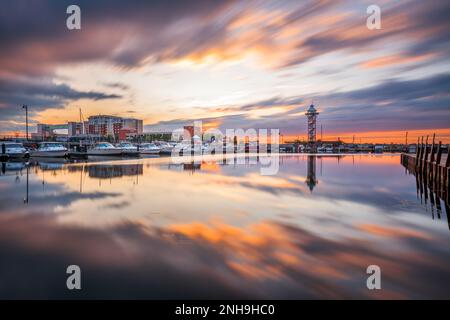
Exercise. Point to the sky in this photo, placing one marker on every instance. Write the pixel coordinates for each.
(232, 64)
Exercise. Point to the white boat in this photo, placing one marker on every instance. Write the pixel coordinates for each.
(149, 148)
(15, 150)
(50, 150)
(128, 149)
(165, 147)
(185, 147)
(104, 149)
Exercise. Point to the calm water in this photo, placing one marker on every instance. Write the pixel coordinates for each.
(150, 229)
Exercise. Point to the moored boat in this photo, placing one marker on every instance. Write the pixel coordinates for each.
(104, 149)
(165, 147)
(50, 150)
(15, 150)
(149, 148)
(128, 149)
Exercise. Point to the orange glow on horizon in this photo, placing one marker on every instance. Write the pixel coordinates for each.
(379, 136)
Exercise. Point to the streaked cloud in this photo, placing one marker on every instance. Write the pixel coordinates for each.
(391, 105)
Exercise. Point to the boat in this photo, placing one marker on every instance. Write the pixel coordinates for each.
(321, 149)
(149, 148)
(185, 147)
(104, 149)
(50, 150)
(165, 147)
(15, 150)
(128, 149)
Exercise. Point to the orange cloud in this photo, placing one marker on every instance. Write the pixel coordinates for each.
(390, 232)
(394, 59)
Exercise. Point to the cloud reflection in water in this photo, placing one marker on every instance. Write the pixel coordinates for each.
(158, 231)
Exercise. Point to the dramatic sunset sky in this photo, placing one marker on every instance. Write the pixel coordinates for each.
(232, 64)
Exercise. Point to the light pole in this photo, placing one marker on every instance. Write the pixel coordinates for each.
(26, 120)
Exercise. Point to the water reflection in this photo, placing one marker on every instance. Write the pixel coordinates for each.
(108, 171)
(148, 228)
(311, 180)
(433, 196)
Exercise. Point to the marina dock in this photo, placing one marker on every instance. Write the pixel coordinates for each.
(429, 164)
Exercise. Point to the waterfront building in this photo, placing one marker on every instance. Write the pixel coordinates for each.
(75, 128)
(111, 125)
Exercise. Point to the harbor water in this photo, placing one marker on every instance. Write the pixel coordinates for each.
(149, 228)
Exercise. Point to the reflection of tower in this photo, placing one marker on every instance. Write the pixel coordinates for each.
(312, 114)
(311, 180)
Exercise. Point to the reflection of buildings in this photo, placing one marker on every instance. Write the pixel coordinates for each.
(192, 166)
(311, 180)
(187, 166)
(106, 171)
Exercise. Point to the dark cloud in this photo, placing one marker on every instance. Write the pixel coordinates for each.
(127, 33)
(423, 24)
(47, 89)
(122, 32)
(117, 85)
(39, 94)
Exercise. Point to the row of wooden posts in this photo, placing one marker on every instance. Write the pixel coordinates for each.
(428, 161)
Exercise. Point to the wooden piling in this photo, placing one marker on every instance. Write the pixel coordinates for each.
(430, 165)
(417, 152)
(431, 162)
(439, 153)
(425, 155)
(447, 163)
(420, 156)
(432, 149)
(421, 150)
(425, 158)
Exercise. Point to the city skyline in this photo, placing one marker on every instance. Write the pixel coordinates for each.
(231, 64)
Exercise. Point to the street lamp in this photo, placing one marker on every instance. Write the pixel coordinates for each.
(26, 119)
